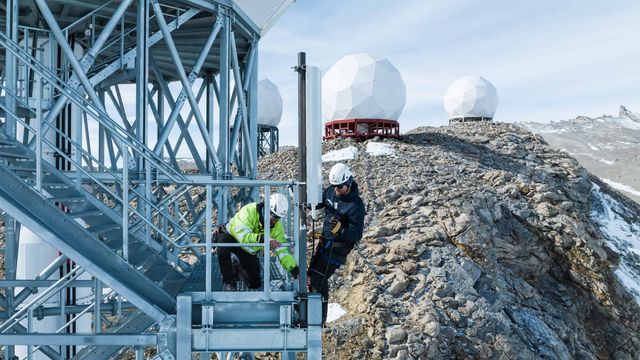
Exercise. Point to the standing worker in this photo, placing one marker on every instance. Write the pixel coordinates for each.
(247, 227)
(341, 230)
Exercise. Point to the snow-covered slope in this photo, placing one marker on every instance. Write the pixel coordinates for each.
(620, 226)
(608, 146)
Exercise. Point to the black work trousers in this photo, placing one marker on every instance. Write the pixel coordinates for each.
(249, 264)
(320, 271)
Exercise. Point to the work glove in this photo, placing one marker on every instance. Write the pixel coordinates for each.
(335, 226)
(294, 272)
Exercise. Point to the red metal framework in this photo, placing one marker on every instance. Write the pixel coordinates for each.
(361, 129)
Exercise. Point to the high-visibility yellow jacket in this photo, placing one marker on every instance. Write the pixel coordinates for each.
(245, 227)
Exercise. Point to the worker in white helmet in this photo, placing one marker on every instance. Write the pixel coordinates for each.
(247, 227)
(342, 229)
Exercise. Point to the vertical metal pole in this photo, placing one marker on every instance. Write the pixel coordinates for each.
(242, 107)
(76, 135)
(160, 104)
(30, 330)
(183, 327)
(38, 127)
(300, 245)
(97, 311)
(11, 66)
(210, 104)
(11, 261)
(302, 123)
(267, 237)
(139, 352)
(142, 67)
(101, 134)
(142, 80)
(223, 103)
(253, 116)
(125, 201)
(208, 234)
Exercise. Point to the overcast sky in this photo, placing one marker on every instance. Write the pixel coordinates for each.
(549, 59)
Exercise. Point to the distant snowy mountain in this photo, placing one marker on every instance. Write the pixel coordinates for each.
(608, 146)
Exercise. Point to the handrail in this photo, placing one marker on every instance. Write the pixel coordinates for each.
(86, 16)
(99, 183)
(77, 316)
(62, 282)
(91, 109)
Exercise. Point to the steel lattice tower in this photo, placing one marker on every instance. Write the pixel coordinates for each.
(99, 103)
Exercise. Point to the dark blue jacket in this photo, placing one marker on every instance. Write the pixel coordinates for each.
(349, 209)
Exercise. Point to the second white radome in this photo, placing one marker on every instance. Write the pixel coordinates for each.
(471, 97)
(269, 103)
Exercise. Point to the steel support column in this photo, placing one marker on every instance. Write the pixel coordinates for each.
(223, 103)
(11, 64)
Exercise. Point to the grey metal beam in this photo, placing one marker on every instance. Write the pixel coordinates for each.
(183, 327)
(182, 135)
(11, 64)
(44, 274)
(45, 349)
(79, 76)
(242, 106)
(209, 81)
(41, 283)
(185, 82)
(223, 101)
(79, 339)
(183, 128)
(130, 55)
(183, 93)
(250, 339)
(142, 68)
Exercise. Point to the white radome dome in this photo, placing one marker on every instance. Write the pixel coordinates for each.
(359, 87)
(471, 97)
(269, 103)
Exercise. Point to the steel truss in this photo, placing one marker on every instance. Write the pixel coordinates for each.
(106, 189)
(268, 139)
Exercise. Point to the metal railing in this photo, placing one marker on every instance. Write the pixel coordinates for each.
(116, 186)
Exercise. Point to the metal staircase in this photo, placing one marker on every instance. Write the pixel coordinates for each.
(88, 231)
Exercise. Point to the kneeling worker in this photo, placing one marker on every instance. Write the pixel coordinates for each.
(247, 227)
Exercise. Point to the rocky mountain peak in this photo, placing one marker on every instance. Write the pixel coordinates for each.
(628, 114)
(608, 146)
(482, 241)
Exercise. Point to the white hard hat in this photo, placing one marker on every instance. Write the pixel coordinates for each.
(339, 174)
(278, 205)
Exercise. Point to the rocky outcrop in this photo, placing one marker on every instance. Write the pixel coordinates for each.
(479, 244)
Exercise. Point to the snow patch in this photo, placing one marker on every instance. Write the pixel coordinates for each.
(621, 187)
(347, 153)
(608, 162)
(334, 312)
(551, 131)
(625, 122)
(621, 236)
(379, 149)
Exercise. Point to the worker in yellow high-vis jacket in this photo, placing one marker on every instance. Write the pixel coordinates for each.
(247, 227)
